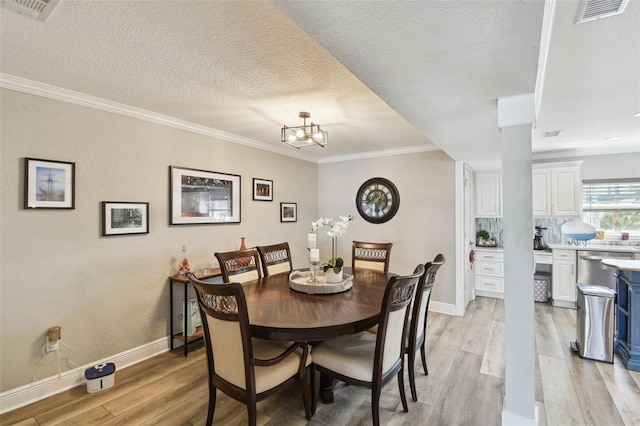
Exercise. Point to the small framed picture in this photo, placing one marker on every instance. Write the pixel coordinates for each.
(201, 196)
(49, 184)
(124, 218)
(288, 212)
(262, 189)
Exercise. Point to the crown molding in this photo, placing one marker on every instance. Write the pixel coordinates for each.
(31, 87)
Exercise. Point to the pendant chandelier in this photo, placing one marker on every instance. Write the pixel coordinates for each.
(305, 135)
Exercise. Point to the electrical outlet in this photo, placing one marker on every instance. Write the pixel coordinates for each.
(53, 338)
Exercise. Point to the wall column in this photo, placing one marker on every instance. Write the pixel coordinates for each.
(516, 115)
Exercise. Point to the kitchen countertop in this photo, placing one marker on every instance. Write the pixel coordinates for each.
(623, 264)
(592, 247)
(596, 247)
(487, 248)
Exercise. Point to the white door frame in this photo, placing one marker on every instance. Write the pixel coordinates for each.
(460, 239)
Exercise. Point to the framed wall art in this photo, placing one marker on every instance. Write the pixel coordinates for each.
(124, 218)
(49, 184)
(203, 197)
(288, 212)
(262, 189)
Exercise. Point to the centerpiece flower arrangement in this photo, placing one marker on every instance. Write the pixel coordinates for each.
(333, 268)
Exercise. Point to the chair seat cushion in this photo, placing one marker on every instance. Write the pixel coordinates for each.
(268, 377)
(351, 356)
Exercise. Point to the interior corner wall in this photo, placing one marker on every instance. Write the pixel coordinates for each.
(111, 294)
(424, 225)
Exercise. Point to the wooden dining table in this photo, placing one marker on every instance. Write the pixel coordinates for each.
(277, 312)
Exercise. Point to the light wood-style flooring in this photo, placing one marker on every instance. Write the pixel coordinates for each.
(465, 385)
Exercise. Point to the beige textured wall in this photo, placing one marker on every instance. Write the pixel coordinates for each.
(110, 294)
(424, 225)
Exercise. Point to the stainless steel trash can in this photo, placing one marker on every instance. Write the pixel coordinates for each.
(596, 322)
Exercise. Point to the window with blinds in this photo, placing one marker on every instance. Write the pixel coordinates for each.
(612, 206)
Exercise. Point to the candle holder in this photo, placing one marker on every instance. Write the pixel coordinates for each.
(313, 268)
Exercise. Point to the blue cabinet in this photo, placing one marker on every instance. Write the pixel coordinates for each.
(628, 321)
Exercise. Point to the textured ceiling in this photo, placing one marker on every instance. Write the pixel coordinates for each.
(378, 76)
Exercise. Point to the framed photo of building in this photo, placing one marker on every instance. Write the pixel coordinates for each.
(262, 189)
(203, 197)
(49, 184)
(288, 212)
(124, 218)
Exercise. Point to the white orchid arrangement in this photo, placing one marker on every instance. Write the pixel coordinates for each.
(338, 229)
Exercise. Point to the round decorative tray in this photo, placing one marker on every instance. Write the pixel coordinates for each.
(299, 281)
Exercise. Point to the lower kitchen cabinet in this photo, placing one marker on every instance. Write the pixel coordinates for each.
(564, 290)
(489, 273)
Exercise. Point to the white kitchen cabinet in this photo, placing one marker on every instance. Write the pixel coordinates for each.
(556, 190)
(564, 290)
(541, 192)
(488, 194)
(489, 273)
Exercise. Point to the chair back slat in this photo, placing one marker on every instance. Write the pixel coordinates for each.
(242, 265)
(371, 255)
(225, 321)
(393, 320)
(418, 325)
(275, 258)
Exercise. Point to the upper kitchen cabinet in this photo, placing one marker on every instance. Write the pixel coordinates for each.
(488, 194)
(556, 189)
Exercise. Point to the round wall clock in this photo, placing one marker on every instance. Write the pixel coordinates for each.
(377, 200)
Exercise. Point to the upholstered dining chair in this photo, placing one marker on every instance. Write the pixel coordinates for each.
(247, 369)
(371, 255)
(275, 258)
(372, 360)
(418, 324)
(242, 265)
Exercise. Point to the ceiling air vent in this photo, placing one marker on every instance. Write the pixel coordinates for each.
(38, 9)
(596, 9)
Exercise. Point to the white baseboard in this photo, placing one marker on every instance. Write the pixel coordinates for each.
(442, 308)
(27, 394)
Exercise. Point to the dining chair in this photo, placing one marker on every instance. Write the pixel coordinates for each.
(372, 360)
(371, 255)
(242, 265)
(275, 258)
(245, 368)
(418, 323)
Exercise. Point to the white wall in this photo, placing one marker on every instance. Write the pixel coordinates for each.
(110, 294)
(613, 166)
(616, 166)
(424, 225)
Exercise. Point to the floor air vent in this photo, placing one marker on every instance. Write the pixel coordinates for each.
(38, 9)
(596, 9)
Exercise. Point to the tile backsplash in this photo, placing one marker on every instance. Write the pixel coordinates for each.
(552, 235)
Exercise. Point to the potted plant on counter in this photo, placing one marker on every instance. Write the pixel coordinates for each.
(482, 237)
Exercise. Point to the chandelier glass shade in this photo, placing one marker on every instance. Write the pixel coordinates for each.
(305, 135)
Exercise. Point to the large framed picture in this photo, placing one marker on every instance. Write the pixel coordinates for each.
(288, 212)
(49, 184)
(203, 197)
(124, 218)
(262, 189)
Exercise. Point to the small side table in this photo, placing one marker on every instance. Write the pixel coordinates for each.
(199, 334)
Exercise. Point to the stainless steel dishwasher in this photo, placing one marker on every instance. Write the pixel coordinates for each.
(592, 272)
